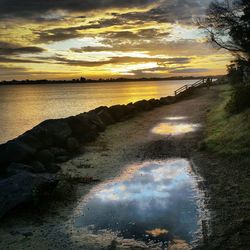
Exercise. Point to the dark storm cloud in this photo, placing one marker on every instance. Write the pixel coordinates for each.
(169, 11)
(34, 8)
(166, 12)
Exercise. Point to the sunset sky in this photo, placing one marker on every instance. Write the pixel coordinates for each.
(64, 39)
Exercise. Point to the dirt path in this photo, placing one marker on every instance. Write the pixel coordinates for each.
(121, 144)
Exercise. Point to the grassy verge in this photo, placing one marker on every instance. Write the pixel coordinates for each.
(228, 135)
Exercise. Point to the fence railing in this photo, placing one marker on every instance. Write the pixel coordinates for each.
(184, 88)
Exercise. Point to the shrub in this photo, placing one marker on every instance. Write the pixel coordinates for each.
(240, 99)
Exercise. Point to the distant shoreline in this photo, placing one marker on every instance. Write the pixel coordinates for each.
(83, 80)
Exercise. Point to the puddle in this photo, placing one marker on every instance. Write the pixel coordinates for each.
(168, 128)
(176, 118)
(175, 126)
(150, 202)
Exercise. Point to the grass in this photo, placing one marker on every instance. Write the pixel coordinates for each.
(227, 134)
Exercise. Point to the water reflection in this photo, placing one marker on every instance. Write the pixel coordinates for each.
(174, 125)
(27, 105)
(150, 201)
(169, 128)
(175, 118)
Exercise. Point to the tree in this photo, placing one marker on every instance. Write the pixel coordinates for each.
(227, 25)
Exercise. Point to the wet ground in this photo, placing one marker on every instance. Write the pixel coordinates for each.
(148, 193)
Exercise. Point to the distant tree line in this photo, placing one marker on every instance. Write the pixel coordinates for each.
(84, 80)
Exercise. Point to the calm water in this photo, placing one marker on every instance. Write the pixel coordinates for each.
(150, 201)
(23, 107)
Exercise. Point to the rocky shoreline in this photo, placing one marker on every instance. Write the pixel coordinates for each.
(29, 163)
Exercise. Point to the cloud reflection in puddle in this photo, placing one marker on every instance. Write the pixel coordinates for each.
(151, 200)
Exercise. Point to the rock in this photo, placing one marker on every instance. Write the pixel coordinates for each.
(154, 103)
(97, 110)
(62, 158)
(15, 151)
(58, 151)
(82, 128)
(165, 100)
(131, 109)
(30, 140)
(17, 167)
(105, 117)
(38, 167)
(22, 188)
(53, 168)
(143, 105)
(118, 112)
(72, 145)
(97, 121)
(45, 156)
(52, 132)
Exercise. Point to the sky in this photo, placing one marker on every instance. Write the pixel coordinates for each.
(65, 39)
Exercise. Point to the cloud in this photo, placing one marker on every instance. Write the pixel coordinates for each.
(169, 11)
(33, 9)
(190, 70)
(10, 71)
(4, 59)
(153, 47)
(122, 60)
(14, 49)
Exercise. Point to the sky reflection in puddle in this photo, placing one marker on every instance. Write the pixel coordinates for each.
(175, 126)
(149, 201)
(176, 118)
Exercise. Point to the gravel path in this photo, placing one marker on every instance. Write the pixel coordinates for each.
(50, 226)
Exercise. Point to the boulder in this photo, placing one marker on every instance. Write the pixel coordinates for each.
(53, 168)
(24, 187)
(58, 151)
(45, 156)
(97, 110)
(154, 103)
(15, 151)
(167, 100)
(105, 117)
(82, 128)
(30, 140)
(72, 145)
(97, 121)
(118, 112)
(37, 167)
(62, 158)
(131, 109)
(142, 105)
(52, 132)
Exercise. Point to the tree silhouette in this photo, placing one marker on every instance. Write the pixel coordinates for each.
(227, 25)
